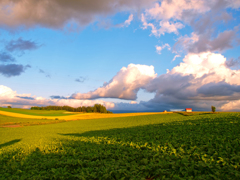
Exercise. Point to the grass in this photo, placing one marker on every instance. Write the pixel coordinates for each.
(157, 146)
(10, 121)
(37, 112)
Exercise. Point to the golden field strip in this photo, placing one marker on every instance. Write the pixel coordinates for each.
(78, 116)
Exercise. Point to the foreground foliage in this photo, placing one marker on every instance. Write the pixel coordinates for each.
(170, 146)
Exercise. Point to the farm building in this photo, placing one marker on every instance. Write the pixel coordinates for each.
(188, 109)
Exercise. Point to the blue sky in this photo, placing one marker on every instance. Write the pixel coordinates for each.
(121, 54)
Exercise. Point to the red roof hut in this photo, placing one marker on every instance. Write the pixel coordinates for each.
(188, 109)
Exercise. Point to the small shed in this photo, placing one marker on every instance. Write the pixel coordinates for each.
(188, 109)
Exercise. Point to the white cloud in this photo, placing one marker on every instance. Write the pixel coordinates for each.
(146, 25)
(163, 27)
(133, 102)
(160, 48)
(10, 97)
(169, 27)
(175, 9)
(231, 106)
(124, 85)
(211, 64)
(176, 56)
(128, 21)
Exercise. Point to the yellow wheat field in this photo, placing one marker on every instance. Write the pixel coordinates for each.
(78, 116)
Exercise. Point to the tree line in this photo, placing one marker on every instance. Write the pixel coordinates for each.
(96, 108)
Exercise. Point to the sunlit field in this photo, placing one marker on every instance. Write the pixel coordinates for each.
(64, 115)
(151, 146)
(37, 112)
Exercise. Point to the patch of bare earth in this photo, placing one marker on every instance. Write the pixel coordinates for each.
(12, 126)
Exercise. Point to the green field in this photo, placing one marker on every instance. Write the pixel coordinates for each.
(162, 146)
(37, 112)
(9, 121)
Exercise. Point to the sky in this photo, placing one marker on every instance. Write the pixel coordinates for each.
(129, 55)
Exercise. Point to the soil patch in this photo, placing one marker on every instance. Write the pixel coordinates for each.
(12, 126)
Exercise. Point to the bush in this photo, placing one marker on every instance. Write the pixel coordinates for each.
(9, 107)
(213, 108)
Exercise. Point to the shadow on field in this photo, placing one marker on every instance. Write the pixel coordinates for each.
(10, 143)
(193, 113)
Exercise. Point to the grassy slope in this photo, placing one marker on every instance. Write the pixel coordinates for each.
(166, 145)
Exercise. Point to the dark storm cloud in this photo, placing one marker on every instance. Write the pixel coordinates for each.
(41, 71)
(26, 97)
(233, 63)
(218, 89)
(169, 103)
(5, 57)
(222, 42)
(81, 79)
(45, 73)
(171, 85)
(21, 45)
(204, 42)
(12, 69)
(58, 97)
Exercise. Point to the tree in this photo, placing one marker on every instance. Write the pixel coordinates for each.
(213, 108)
(96, 108)
(9, 107)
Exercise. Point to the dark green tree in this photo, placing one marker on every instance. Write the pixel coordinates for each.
(213, 108)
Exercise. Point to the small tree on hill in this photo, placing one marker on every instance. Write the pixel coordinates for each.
(9, 107)
(213, 108)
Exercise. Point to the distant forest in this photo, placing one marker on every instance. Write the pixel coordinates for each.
(98, 108)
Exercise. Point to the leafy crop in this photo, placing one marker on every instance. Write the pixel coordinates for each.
(163, 146)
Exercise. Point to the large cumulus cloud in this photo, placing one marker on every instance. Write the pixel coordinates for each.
(124, 85)
(200, 81)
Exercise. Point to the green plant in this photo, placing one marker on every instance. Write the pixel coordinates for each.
(213, 108)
